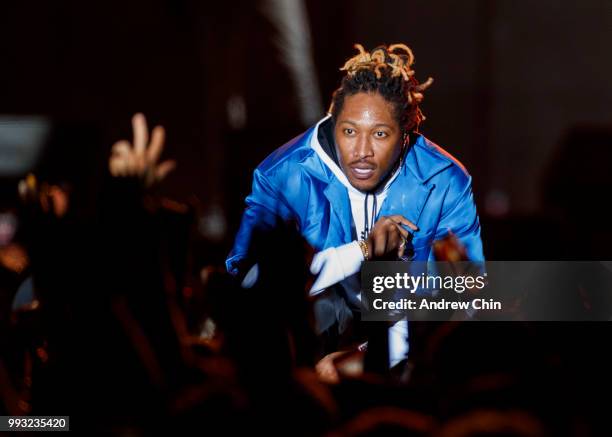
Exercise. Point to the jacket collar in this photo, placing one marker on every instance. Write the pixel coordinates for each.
(423, 159)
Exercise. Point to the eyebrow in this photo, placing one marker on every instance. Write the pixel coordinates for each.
(376, 125)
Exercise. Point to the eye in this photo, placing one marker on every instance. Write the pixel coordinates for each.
(380, 134)
(349, 131)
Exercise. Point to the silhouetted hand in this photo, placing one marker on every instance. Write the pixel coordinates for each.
(140, 158)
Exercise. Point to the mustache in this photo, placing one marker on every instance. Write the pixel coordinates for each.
(362, 162)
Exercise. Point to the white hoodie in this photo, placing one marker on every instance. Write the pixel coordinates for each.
(343, 263)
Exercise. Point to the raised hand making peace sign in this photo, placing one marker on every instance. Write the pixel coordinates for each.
(140, 158)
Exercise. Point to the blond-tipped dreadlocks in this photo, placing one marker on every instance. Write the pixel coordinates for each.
(386, 70)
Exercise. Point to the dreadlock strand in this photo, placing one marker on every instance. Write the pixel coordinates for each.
(393, 47)
(378, 56)
(377, 70)
(424, 85)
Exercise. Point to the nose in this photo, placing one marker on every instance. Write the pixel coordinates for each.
(363, 147)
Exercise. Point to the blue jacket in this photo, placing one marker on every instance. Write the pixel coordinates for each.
(432, 190)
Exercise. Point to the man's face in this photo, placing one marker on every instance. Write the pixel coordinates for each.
(368, 139)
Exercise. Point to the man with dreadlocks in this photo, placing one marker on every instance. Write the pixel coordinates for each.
(363, 184)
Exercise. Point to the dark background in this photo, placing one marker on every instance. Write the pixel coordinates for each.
(521, 96)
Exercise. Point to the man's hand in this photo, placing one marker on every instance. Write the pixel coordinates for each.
(140, 160)
(388, 237)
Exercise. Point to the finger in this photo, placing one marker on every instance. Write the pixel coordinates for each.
(327, 372)
(403, 220)
(128, 160)
(380, 243)
(126, 165)
(404, 235)
(164, 168)
(129, 164)
(158, 137)
(403, 232)
(332, 376)
(113, 166)
(120, 165)
(401, 249)
(141, 135)
(139, 163)
(394, 238)
(120, 148)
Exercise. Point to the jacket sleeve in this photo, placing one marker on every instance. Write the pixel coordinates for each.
(459, 215)
(264, 208)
